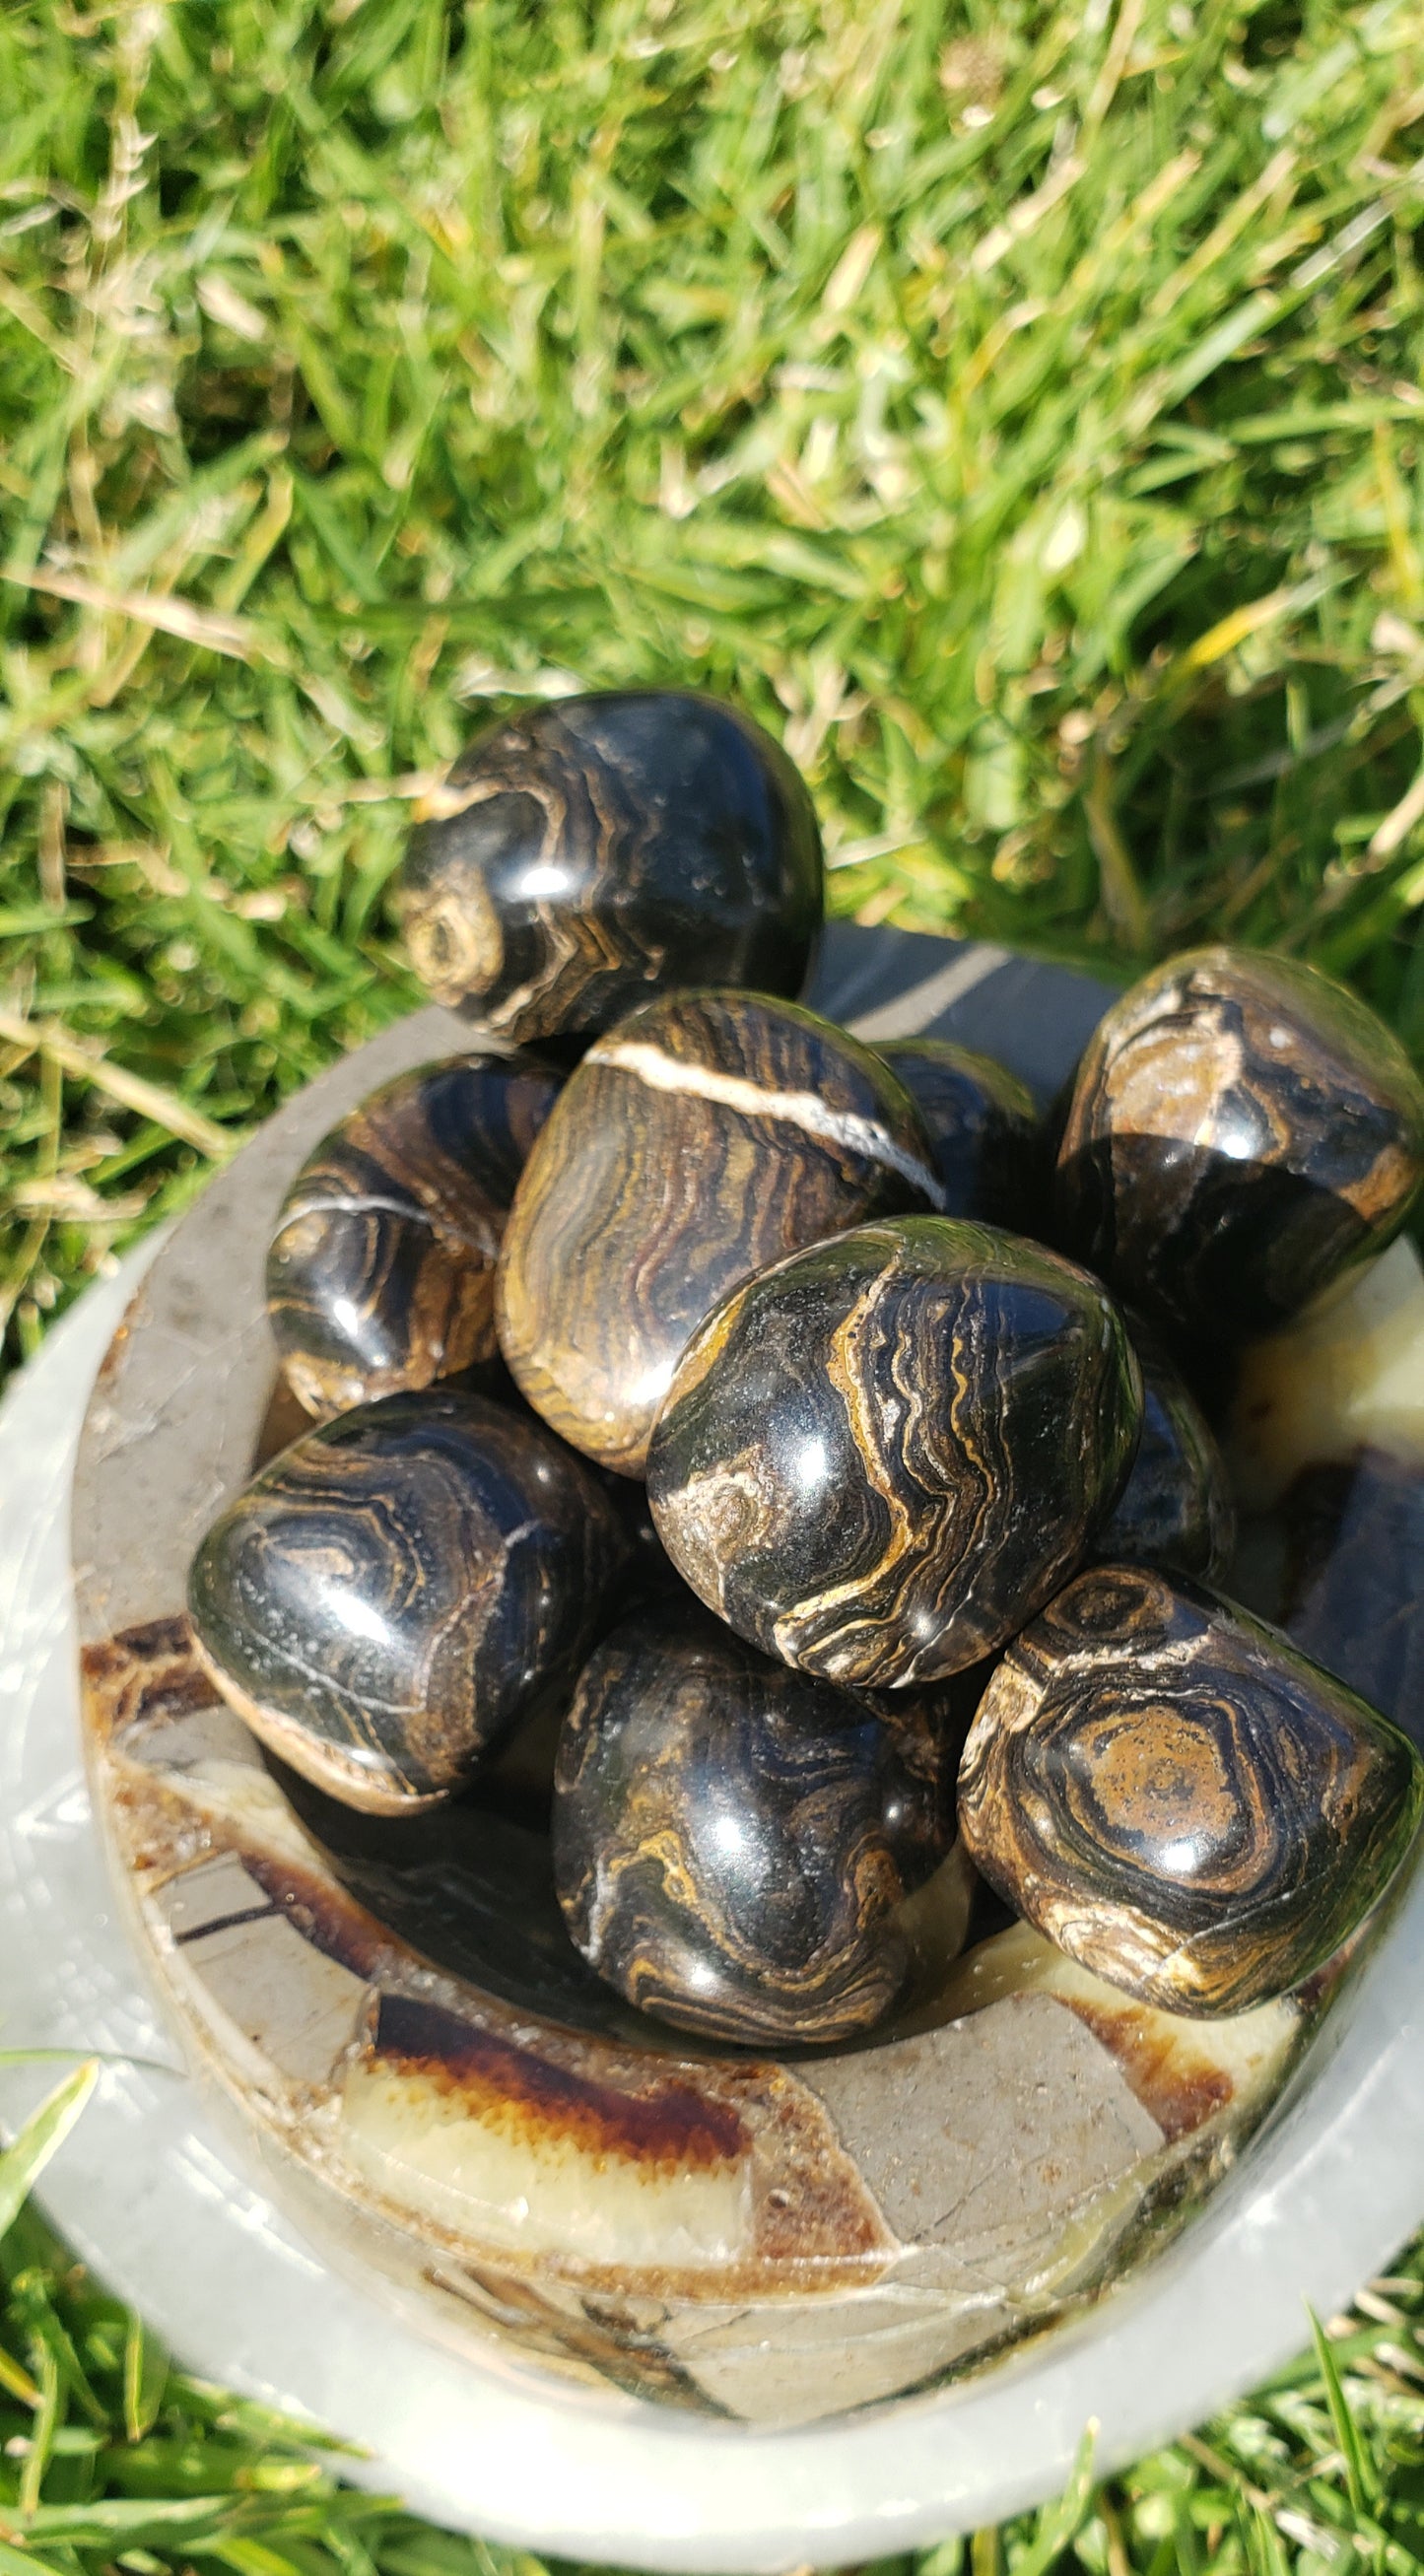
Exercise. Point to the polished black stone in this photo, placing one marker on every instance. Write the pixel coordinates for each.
(1178, 1798)
(390, 1595)
(380, 1274)
(586, 855)
(707, 1135)
(1176, 1507)
(879, 1458)
(727, 1835)
(1241, 1130)
(983, 1126)
(928, 1729)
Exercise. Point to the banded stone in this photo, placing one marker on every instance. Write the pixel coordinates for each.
(388, 1598)
(880, 1457)
(730, 1837)
(586, 855)
(705, 1136)
(380, 1274)
(1178, 1798)
(1241, 1131)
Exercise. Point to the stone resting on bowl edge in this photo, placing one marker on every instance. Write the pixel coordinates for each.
(443, 2094)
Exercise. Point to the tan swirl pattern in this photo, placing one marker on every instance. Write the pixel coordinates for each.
(380, 1274)
(730, 1839)
(1241, 1130)
(589, 854)
(645, 1200)
(1178, 1798)
(387, 1599)
(880, 1456)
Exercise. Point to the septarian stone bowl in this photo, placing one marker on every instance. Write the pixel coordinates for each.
(441, 2092)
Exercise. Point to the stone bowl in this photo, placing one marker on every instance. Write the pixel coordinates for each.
(446, 2098)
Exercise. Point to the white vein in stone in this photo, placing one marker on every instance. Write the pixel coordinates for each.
(803, 1109)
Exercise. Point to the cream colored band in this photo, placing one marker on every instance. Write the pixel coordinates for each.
(803, 1109)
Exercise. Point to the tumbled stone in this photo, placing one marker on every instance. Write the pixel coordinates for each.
(879, 1458)
(982, 1125)
(705, 1136)
(727, 1835)
(1176, 1507)
(380, 1274)
(1241, 1130)
(386, 1599)
(1177, 1798)
(584, 856)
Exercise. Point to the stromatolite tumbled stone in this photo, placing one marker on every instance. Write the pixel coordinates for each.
(878, 1459)
(1176, 1508)
(708, 1134)
(380, 1274)
(721, 1845)
(1178, 1798)
(1241, 1130)
(387, 1598)
(983, 1127)
(927, 1730)
(582, 857)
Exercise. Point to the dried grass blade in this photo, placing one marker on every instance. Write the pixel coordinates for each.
(131, 1090)
(236, 637)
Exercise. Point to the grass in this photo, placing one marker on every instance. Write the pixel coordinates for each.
(1017, 406)
(115, 2463)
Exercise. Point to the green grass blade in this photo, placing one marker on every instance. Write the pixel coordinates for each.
(28, 2562)
(1060, 2522)
(42, 2135)
(1359, 2476)
(146, 2369)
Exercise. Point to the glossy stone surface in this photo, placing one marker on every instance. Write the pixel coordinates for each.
(983, 1126)
(380, 1274)
(721, 1848)
(880, 1458)
(584, 856)
(705, 1136)
(928, 1729)
(1176, 1508)
(448, 2101)
(392, 1593)
(1241, 1130)
(788, 2240)
(1178, 1798)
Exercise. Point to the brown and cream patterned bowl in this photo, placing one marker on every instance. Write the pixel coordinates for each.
(437, 2086)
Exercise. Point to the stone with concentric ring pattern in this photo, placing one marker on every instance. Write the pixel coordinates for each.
(1178, 1798)
(730, 1842)
(707, 1135)
(586, 855)
(380, 1274)
(388, 1598)
(879, 1458)
(1241, 1130)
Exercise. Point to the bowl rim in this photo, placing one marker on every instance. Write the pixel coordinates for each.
(156, 2198)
